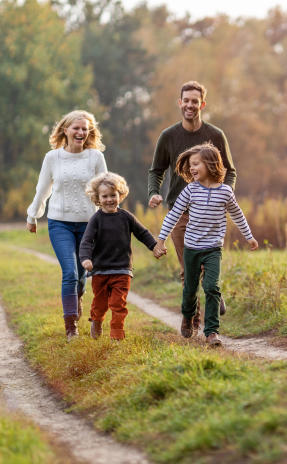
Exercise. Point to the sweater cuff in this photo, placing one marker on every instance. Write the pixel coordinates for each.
(31, 220)
(154, 192)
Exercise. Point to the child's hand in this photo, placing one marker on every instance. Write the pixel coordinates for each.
(253, 244)
(87, 264)
(160, 249)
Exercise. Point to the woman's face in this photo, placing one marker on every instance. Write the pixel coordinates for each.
(77, 134)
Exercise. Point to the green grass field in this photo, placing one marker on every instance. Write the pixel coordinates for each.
(21, 442)
(177, 400)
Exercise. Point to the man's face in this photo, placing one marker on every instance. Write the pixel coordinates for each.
(191, 104)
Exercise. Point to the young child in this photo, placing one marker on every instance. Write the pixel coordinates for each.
(106, 251)
(207, 200)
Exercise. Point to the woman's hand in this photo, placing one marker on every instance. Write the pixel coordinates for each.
(87, 264)
(31, 227)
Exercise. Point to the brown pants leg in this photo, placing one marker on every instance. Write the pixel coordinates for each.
(119, 285)
(111, 291)
(177, 236)
(99, 305)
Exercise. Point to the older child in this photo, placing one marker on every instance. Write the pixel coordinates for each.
(207, 200)
(106, 251)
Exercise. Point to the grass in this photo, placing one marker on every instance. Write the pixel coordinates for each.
(178, 400)
(254, 285)
(21, 442)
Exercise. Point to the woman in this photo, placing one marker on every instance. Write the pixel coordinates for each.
(74, 159)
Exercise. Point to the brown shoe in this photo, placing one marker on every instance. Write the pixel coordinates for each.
(80, 307)
(186, 327)
(213, 340)
(222, 307)
(71, 327)
(96, 329)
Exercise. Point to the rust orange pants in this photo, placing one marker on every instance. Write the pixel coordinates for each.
(111, 291)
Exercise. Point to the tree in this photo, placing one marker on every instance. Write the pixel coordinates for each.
(40, 79)
(122, 70)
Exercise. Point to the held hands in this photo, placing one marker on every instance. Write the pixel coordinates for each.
(31, 227)
(159, 249)
(155, 200)
(253, 244)
(87, 264)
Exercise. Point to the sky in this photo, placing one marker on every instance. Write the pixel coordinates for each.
(201, 8)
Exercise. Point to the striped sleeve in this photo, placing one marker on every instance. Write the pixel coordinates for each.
(238, 217)
(175, 213)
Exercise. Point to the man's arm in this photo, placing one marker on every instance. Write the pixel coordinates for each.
(160, 164)
(230, 176)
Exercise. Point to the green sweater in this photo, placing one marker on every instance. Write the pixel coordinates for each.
(173, 141)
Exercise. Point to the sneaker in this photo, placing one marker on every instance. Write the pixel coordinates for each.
(222, 307)
(96, 329)
(213, 340)
(186, 327)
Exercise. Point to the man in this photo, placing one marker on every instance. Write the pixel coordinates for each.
(190, 131)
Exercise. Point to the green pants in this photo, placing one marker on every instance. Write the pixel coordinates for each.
(210, 259)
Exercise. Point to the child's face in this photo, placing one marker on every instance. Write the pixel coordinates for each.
(109, 199)
(198, 169)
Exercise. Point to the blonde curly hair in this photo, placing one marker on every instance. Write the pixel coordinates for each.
(110, 179)
(58, 138)
(210, 156)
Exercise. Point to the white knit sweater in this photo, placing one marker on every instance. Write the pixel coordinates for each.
(63, 177)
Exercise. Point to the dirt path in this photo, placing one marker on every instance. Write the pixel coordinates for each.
(23, 390)
(257, 346)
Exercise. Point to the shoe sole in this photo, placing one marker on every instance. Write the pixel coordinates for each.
(217, 343)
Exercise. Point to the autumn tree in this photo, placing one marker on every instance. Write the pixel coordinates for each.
(41, 77)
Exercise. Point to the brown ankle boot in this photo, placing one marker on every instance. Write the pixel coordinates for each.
(186, 327)
(71, 327)
(96, 328)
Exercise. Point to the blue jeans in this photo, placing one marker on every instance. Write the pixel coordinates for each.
(65, 238)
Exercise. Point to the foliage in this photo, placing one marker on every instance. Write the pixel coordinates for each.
(128, 68)
(40, 79)
(122, 69)
(21, 442)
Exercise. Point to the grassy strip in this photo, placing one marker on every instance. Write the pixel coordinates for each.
(254, 285)
(177, 400)
(21, 442)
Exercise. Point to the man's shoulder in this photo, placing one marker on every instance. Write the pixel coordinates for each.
(212, 128)
(172, 129)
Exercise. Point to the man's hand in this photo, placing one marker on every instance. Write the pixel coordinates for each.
(31, 227)
(155, 201)
(87, 264)
(253, 244)
(160, 249)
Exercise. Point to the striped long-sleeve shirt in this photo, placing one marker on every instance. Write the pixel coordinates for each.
(207, 208)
